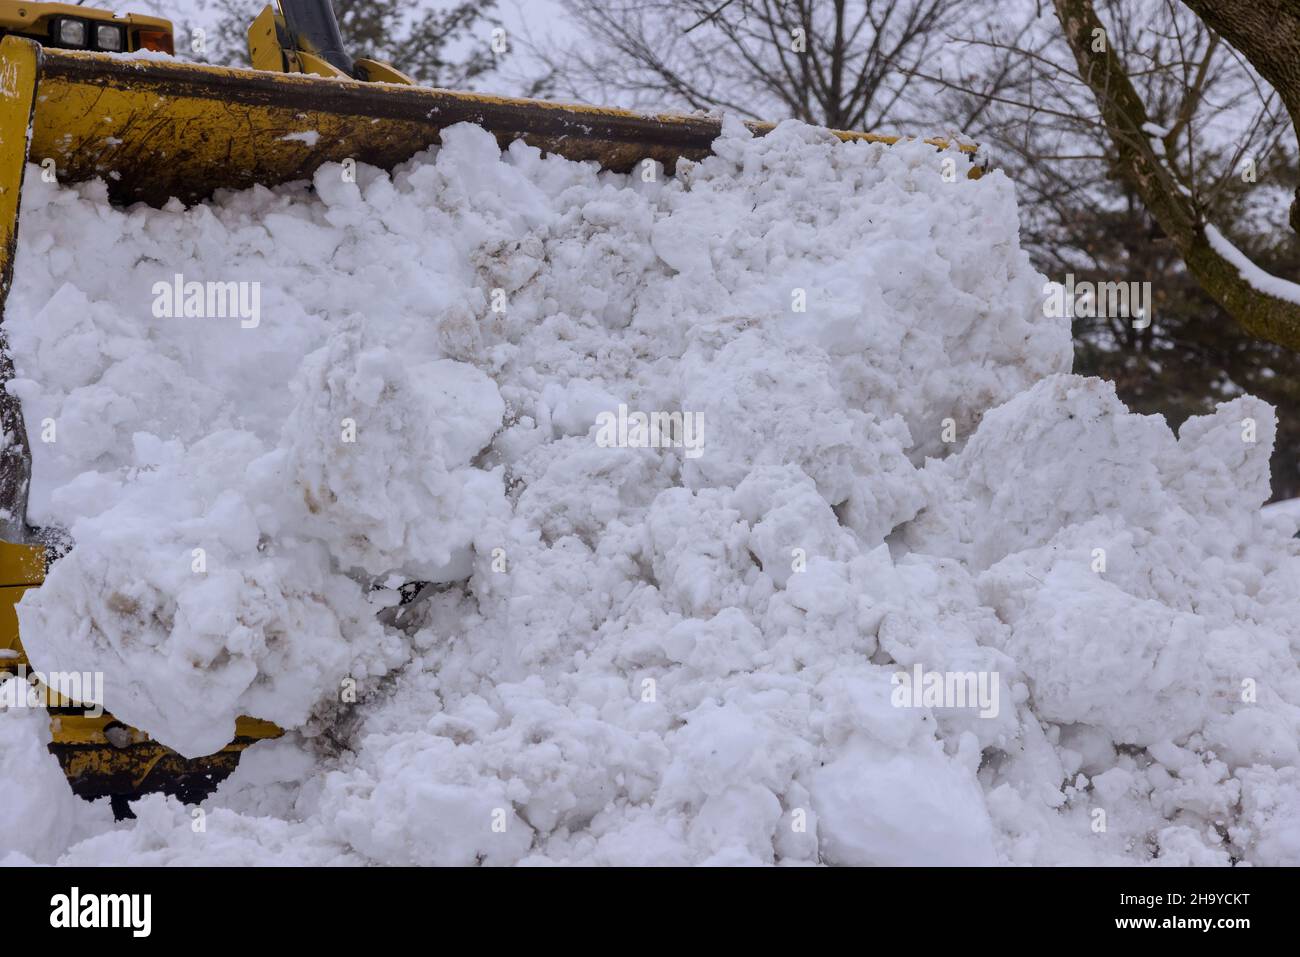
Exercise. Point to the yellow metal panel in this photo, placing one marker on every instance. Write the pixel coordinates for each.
(102, 757)
(264, 50)
(19, 66)
(21, 567)
(311, 63)
(11, 649)
(27, 17)
(377, 71)
(21, 564)
(255, 729)
(80, 729)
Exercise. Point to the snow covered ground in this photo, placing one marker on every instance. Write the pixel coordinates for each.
(728, 650)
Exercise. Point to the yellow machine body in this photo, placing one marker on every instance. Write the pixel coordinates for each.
(156, 128)
(21, 567)
(271, 48)
(39, 21)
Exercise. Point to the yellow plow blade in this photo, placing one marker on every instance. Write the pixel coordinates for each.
(161, 129)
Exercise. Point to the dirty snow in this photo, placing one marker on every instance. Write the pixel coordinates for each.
(629, 655)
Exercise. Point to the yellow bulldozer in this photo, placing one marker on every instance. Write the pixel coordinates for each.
(91, 94)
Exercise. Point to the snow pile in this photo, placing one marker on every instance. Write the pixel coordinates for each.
(631, 654)
(42, 816)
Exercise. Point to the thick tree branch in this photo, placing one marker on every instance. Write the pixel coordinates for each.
(1267, 33)
(1125, 116)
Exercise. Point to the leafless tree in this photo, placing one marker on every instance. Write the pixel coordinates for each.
(1159, 159)
(846, 64)
(1222, 142)
(1020, 91)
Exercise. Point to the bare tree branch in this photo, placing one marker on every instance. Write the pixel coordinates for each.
(1127, 122)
